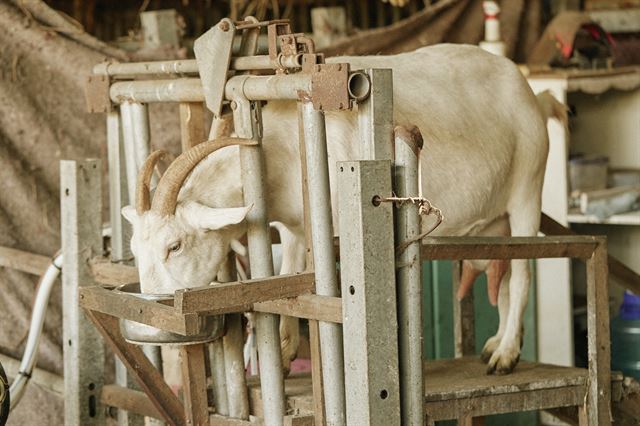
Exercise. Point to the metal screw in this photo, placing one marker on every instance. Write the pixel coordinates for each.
(224, 26)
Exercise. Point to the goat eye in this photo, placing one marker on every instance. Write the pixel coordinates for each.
(174, 248)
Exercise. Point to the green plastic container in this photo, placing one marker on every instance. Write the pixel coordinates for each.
(625, 337)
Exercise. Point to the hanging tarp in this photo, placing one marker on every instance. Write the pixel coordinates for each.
(449, 21)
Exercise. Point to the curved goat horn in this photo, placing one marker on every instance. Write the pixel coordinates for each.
(165, 199)
(143, 194)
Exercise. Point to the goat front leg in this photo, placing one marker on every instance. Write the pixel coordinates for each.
(293, 260)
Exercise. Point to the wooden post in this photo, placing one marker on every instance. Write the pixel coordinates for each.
(194, 384)
(139, 366)
(81, 212)
(599, 391)
(463, 317)
(160, 29)
(329, 25)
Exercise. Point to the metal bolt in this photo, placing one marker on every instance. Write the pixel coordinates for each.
(224, 26)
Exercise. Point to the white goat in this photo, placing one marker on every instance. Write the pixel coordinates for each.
(483, 161)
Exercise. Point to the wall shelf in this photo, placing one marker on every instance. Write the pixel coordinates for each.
(630, 218)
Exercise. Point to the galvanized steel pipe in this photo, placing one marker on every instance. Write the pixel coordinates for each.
(190, 66)
(264, 88)
(315, 140)
(218, 374)
(409, 280)
(259, 242)
(128, 140)
(190, 89)
(174, 90)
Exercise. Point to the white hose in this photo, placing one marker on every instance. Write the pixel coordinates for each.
(35, 330)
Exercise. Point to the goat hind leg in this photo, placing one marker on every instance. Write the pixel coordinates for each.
(492, 343)
(524, 222)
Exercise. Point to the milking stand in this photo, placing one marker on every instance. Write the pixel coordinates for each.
(374, 374)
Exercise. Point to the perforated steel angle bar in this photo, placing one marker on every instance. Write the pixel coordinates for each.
(81, 208)
(368, 294)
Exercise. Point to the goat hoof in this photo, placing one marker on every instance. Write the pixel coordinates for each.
(489, 348)
(502, 362)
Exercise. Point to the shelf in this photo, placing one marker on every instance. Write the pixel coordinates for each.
(630, 218)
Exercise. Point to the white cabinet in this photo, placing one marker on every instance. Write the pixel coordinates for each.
(607, 122)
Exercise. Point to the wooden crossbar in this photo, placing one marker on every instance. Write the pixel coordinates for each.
(23, 261)
(241, 295)
(133, 308)
(459, 248)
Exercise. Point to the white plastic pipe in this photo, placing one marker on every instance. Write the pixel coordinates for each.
(35, 330)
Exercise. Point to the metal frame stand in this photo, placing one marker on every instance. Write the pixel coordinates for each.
(376, 379)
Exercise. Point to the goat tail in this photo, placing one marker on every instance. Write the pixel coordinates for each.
(552, 108)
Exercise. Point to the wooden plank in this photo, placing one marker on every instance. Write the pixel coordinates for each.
(133, 308)
(241, 295)
(191, 124)
(23, 261)
(115, 274)
(505, 403)
(599, 350)
(296, 420)
(626, 276)
(298, 392)
(139, 366)
(218, 420)
(465, 378)
(310, 306)
(194, 384)
(458, 248)
(129, 400)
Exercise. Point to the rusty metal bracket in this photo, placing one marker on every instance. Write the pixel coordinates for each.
(330, 87)
(96, 93)
(276, 29)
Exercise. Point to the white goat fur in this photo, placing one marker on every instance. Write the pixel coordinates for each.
(483, 161)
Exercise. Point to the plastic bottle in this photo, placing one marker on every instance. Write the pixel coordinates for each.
(625, 337)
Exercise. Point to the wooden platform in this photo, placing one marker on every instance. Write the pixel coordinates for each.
(460, 387)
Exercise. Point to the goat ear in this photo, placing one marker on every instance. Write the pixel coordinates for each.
(129, 213)
(214, 218)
